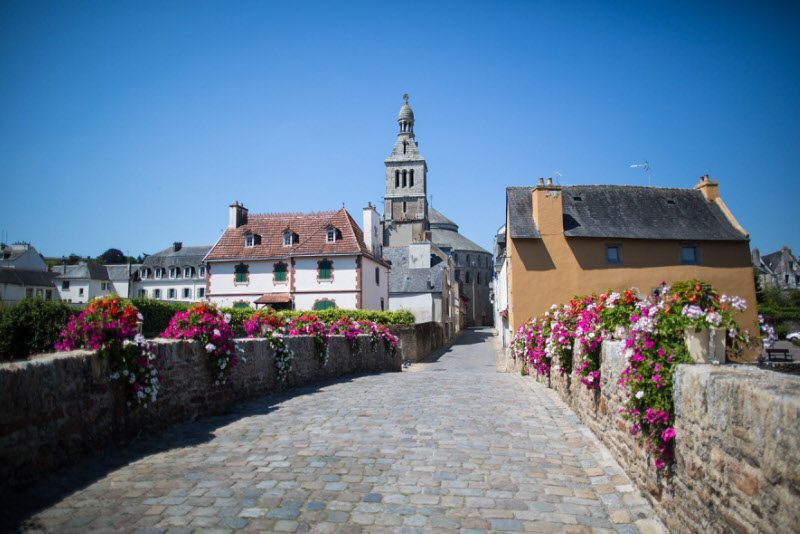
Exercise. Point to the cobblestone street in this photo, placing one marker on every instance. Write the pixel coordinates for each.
(451, 446)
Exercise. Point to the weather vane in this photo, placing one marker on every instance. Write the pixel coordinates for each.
(405, 97)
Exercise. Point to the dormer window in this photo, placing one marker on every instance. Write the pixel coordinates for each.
(188, 272)
(145, 274)
(174, 272)
(330, 237)
(159, 272)
(290, 238)
(251, 240)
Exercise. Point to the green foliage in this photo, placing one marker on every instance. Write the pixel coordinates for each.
(157, 314)
(383, 318)
(32, 326)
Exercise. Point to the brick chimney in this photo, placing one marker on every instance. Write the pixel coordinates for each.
(373, 236)
(709, 188)
(548, 213)
(237, 215)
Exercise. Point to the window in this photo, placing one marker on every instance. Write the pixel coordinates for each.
(330, 236)
(455, 258)
(405, 207)
(241, 274)
(65, 285)
(142, 293)
(382, 304)
(324, 304)
(405, 181)
(48, 294)
(411, 178)
(279, 272)
(187, 293)
(28, 292)
(104, 286)
(159, 272)
(145, 273)
(201, 292)
(188, 272)
(613, 254)
(377, 276)
(397, 178)
(458, 275)
(39, 293)
(468, 264)
(157, 293)
(469, 281)
(290, 238)
(202, 272)
(479, 279)
(80, 291)
(251, 240)
(171, 293)
(325, 270)
(688, 254)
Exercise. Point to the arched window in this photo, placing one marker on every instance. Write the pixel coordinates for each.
(279, 272)
(479, 279)
(377, 276)
(404, 206)
(325, 270)
(241, 273)
(411, 178)
(468, 260)
(324, 304)
(397, 178)
(405, 183)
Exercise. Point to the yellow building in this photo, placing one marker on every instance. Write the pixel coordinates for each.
(572, 240)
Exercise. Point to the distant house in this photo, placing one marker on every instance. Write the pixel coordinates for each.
(304, 261)
(21, 256)
(564, 241)
(778, 269)
(18, 284)
(500, 287)
(123, 277)
(82, 282)
(175, 274)
(420, 282)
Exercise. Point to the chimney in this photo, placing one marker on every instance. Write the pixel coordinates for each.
(548, 213)
(756, 257)
(373, 237)
(709, 188)
(176, 246)
(237, 215)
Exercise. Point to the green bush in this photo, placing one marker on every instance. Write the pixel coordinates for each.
(157, 314)
(32, 326)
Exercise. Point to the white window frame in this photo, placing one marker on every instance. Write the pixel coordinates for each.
(287, 239)
(249, 241)
(202, 271)
(159, 273)
(187, 272)
(201, 292)
(330, 235)
(174, 272)
(186, 293)
(171, 293)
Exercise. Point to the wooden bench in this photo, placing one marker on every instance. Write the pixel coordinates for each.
(779, 355)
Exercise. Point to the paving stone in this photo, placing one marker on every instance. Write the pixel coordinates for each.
(447, 446)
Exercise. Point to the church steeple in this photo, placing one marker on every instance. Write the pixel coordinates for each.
(406, 206)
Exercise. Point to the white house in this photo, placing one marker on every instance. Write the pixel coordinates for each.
(21, 256)
(82, 282)
(421, 283)
(500, 287)
(19, 284)
(175, 274)
(303, 261)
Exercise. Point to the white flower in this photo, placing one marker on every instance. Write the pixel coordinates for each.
(216, 332)
(222, 364)
(139, 338)
(639, 394)
(115, 376)
(227, 317)
(210, 347)
(140, 316)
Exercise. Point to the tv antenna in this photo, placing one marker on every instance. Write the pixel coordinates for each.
(556, 177)
(646, 167)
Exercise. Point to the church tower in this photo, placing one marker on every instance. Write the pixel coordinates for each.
(406, 207)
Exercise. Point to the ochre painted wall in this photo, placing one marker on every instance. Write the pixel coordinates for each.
(553, 269)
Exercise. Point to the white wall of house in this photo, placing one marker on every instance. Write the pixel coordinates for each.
(13, 293)
(82, 290)
(373, 293)
(420, 304)
(225, 291)
(501, 303)
(344, 274)
(121, 288)
(147, 288)
(343, 299)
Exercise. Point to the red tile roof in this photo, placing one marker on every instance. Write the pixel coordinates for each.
(310, 227)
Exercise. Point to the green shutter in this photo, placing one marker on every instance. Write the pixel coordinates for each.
(280, 272)
(325, 270)
(324, 305)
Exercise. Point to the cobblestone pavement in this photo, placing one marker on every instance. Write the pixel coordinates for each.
(452, 447)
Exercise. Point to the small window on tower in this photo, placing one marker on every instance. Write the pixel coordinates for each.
(397, 178)
(405, 183)
(411, 178)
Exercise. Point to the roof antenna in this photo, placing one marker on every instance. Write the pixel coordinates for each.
(557, 176)
(646, 167)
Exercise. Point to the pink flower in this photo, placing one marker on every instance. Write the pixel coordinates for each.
(668, 434)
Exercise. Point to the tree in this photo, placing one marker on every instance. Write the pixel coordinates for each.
(112, 256)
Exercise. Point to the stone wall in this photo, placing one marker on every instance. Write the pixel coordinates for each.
(418, 341)
(737, 444)
(56, 408)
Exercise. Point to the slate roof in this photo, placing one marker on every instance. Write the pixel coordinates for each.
(120, 272)
(24, 277)
(82, 271)
(405, 280)
(775, 264)
(520, 213)
(444, 234)
(438, 220)
(169, 257)
(628, 212)
(310, 227)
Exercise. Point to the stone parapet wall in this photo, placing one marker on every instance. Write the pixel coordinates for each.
(418, 341)
(737, 465)
(56, 408)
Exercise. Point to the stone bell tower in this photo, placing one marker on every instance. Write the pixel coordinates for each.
(406, 207)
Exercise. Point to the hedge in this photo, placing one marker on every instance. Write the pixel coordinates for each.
(157, 314)
(32, 326)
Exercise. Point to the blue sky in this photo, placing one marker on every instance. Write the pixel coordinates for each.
(132, 125)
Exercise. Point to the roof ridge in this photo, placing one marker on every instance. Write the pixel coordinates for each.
(278, 215)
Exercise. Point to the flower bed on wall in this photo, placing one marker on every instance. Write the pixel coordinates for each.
(653, 328)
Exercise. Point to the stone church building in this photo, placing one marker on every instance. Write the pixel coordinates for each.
(408, 218)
